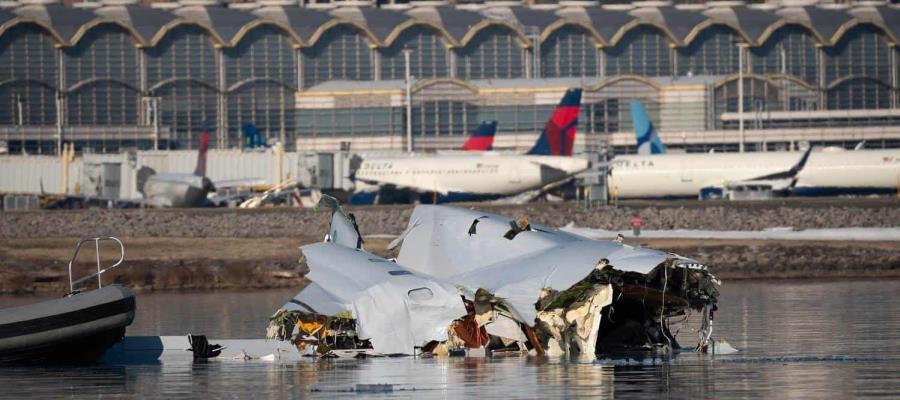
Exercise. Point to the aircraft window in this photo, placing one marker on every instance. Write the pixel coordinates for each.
(399, 272)
(420, 294)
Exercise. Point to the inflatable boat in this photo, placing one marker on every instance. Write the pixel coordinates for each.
(77, 328)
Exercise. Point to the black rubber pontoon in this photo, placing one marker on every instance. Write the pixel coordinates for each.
(78, 328)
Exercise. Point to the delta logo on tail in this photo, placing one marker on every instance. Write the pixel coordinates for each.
(483, 137)
(558, 136)
(648, 141)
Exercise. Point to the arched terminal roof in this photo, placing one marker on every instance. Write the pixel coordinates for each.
(458, 25)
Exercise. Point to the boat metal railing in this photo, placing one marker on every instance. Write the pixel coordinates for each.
(100, 270)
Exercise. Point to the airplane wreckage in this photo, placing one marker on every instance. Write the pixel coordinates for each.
(469, 282)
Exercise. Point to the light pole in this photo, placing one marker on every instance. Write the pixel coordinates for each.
(409, 147)
(741, 95)
(153, 118)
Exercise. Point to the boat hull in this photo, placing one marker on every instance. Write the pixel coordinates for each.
(74, 329)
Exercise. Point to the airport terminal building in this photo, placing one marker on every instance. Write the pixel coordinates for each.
(323, 76)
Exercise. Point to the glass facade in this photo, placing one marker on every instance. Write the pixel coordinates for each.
(760, 97)
(101, 81)
(103, 102)
(862, 51)
(429, 57)
(102, 70)
(791, 50)
(265, 52)
(342, 53)
(28, 76)
(713, 52)
(443, 118)
(185, 53)
(569, 51)
(858, 94)
(494, 53)
(188, 107)
(261, 74)
(182, 70)
(517, 118)
(267, 105)
(358, 121)
(27, 103)
(643, 51)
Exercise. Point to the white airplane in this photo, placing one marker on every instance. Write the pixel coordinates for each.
(482, 176)
(704, 175)
(178, 190)
(854, 172)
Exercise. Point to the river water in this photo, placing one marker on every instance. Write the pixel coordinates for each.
(804, 339)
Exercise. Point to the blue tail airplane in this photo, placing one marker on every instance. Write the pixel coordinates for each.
(648, 141)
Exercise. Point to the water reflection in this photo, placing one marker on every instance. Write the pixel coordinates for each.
(798, 339)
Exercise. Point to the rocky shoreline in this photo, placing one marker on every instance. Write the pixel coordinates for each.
(287, 223)
(220, 248)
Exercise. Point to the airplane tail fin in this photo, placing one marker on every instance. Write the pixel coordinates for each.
(648, 141)
(802, 162)
(201, 155)
(483, 137)
(252, 137)
(799, 166)
(558, 136)
(791, 173)
(143, 175)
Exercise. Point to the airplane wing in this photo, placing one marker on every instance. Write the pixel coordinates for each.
(423, 188)
(178, 179)
(226, 183)
(560, 178)
(779, 181)
(791, 173)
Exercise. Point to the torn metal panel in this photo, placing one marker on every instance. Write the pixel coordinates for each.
(315, 300)
(439, 244)
(465, 278)
(584, 320)
(398, 316)
(520, 280)
(393, 308)
(507, 328)
(343, 229)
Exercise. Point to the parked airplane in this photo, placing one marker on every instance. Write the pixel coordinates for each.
(177, 189)
(705, 175)
(185, 190)
(483, 137)
(648, 141)
(467, 177)
(852, 172)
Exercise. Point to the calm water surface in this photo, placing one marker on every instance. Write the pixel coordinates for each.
(832, 339)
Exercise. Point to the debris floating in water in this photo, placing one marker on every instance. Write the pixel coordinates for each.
(470, 282)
